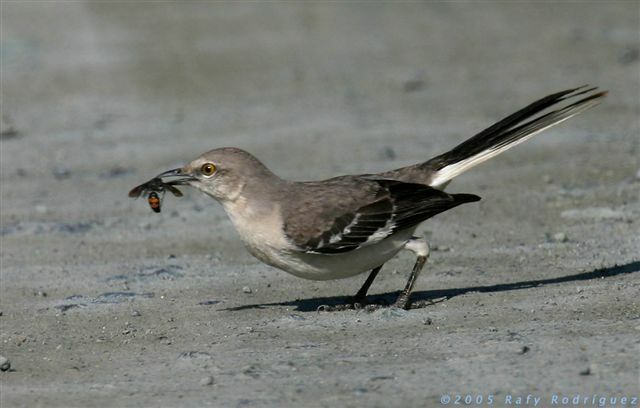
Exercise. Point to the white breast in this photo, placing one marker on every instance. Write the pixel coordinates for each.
(260, 231)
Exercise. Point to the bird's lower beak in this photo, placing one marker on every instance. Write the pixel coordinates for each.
(179, 177)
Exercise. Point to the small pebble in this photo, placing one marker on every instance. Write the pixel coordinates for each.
(115, 172)
(9, 133)
(560, 237)
(547, 179)
(208, 380)
(629, 55)
(41, 209)
(5, 364)
(413, 85)
(246, 289)
(388, 153)
(209, 302)
(135, 313)
(61, 173)
(638, 174)
(524, 349)
(586, 371)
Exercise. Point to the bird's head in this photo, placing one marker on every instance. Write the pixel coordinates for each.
(221, 173)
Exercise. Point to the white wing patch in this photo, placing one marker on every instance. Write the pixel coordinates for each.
(383, 232)
(345, 231)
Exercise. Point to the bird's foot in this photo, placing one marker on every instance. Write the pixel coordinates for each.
(403, 301)
(354, 303)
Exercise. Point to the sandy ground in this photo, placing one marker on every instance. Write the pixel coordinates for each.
(533, 290)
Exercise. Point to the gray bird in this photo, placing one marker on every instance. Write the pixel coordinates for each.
(348, 225)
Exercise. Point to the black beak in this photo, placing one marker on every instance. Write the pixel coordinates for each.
(179, 177)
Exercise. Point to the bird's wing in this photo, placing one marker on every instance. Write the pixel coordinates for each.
(346, 213)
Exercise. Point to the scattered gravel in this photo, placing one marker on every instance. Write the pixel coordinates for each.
(314, 92)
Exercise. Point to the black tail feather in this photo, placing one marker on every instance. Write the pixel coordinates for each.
(512, 128)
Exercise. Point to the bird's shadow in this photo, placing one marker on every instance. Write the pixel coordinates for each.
(425, 298)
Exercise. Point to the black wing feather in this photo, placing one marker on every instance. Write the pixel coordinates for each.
(398, 206)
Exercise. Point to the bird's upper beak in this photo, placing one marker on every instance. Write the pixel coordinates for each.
(179, 176)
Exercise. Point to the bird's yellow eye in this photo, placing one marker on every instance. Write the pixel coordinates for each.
(208, 169)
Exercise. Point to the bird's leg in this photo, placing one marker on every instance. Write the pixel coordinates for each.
(359, 300)
(421, 248)
(361, 296)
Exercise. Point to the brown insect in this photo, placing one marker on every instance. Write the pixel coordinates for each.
(155, 189)
(154, 201)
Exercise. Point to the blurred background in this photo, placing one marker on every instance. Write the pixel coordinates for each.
(143, 85)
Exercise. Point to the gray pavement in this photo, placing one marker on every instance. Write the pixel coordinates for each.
(533, 290)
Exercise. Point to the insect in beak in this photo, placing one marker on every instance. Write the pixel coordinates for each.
(156, 189)
(154, 201)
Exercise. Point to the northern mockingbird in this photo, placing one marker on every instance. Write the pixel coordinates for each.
(348, 225)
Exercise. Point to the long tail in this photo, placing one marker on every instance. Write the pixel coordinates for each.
(509, 132)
